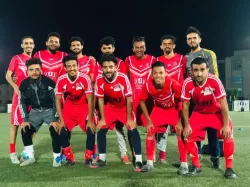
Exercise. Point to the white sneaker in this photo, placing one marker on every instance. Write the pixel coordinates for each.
(57, 162)
(28, 162)
(14, 159)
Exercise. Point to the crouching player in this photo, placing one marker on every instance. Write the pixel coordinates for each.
(38, 92)
(166, 94)
(211, 111)
(114, 95)
(77, 91)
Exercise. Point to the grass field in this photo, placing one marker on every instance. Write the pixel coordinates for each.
(117, 174)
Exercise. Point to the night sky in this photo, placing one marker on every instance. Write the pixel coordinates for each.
(224, 24)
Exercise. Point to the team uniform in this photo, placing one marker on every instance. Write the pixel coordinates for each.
(138, 69)
(18, 67)
(75, 108)
(206, 114)
(52, 65)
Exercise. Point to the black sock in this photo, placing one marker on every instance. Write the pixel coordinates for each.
(101, 140)
(27, 135)
(90, 141)
(56, 146)
(136, 141)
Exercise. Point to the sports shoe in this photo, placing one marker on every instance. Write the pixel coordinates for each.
(147, 168)
(99, 163)
(70, 163)
(125, 159)
(183, 170)
(193, 171)
(87, 162)
(57, 161)
(215, 162)
(14, 159)
(28, 161)
(230, 174)
(138, 167)
(200, 157)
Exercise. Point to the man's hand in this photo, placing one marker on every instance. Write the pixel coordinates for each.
(54, 125)
(187, 131)
(24, 124)
(226, 132)
(16, 90)
(92, 58)
(131, 124)
(101, 123)
(14, 78)
(60, 125)
(91, 125)
(178, 128)
(150, 127)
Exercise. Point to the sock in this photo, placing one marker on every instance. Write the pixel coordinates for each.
(138, 158)
(150, 147)
(136, 141)
(101, 141)
(88, 154)
(68, 153)
(102, 156)
(182, 150)
(55, 155)
(95, 149)
(90, 141)
(193, 150)
(12, 148)
(29, 151)
(150, 162)
(162, 155)
(228, 152)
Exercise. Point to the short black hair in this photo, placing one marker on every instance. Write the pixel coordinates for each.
(199, 60)
(56, 34)
(158, 64)
(107, 40)
(68, 58)
(76, 38)
(168, 37)
(107, 57)
(33, 61)
(193, 30)
(138, 39)
(25, 37)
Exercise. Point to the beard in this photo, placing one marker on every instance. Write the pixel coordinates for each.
(52, 51)
(194, 47)
(77, 52)
(111, 77)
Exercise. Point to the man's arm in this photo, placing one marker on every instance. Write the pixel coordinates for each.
(90, 99)
(53, 98)
(185, 112)
(144, 110)
(11, 82)
(101, 107)
(59, 107)
(129, 107)
(224, 111)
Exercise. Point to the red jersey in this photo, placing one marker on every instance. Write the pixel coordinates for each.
(205, 97)
(18, 67)
(114, 92)
(167, 97)
(138, 73)
(86, 65)
(74, 92)
(52, 65)
(175, 66)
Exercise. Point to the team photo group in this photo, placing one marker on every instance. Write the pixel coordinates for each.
(98, 94)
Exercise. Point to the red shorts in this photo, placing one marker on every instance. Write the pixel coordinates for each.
(161, 118)
(112, 115)
(74, 115)
(200, 122)
(16, 118)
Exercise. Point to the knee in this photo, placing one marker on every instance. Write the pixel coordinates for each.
(27, 131)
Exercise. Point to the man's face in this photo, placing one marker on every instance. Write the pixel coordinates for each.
(76, 47)
(107, 49)
(53, 44)
(34, 71)
(109, 69)
(167, 46)
(139, 49)
(200, 72)
(159, 74)
(193, 40)
(71, 67)
(28, 45)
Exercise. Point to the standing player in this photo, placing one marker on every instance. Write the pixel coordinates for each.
(51, 57)
(193, 41)
(38, 91)
(86, 65)
(175, 68)
(107, 45)
(210, 111)
(77, 91)
(166, 93)
(18, 68)
(114, 95)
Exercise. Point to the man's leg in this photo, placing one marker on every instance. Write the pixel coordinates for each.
(214, 147)
(90, 146)
(161, 139)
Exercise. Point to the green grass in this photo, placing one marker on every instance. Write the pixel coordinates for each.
(117, 174)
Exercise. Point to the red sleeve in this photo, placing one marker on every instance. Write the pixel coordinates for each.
(87, 85)
(99, 90)
(184, 62)
(65, 54)
(153, 60)
(96, 70)
(185, 92)
(36, 55)
(59, 87)
(92, 66)
(123, 68)
(126, 65)
(127, 87)
(219, 90)
(144, 93)
(13, 64)
(62, 71)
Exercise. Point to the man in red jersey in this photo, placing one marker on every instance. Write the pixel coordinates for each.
(107, 45)
(210, 111)
(77, 91)
(166, 93)
(176, 69)
(86, 65)
(18, 68)
(51, 57)
(114, 95)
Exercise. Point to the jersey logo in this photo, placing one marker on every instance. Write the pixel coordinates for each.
(117, 88)
(207, 91)
(78, 87)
